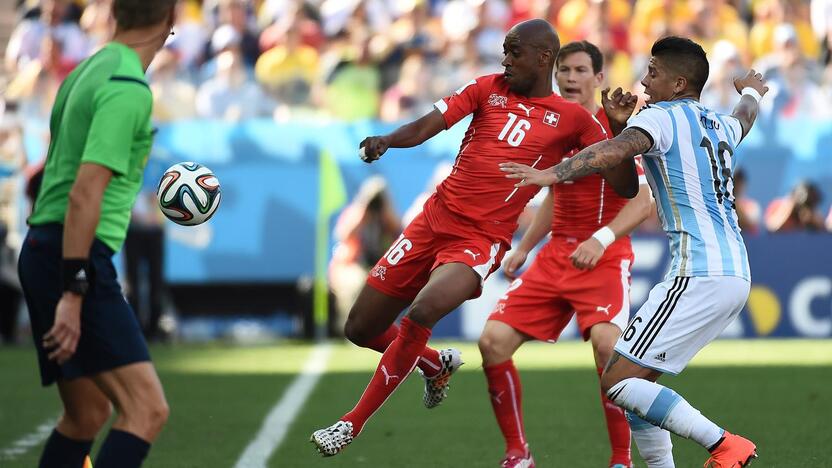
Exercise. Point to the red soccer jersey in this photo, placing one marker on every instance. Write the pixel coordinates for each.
(507, 127)
(582, 206)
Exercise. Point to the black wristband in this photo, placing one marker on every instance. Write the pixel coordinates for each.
(75, 275)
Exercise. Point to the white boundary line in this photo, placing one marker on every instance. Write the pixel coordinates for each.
(27, 442)
(280, 417)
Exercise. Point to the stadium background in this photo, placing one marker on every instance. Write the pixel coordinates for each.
(275, 95)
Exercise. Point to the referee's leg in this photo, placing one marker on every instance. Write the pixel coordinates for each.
(142, 411)
(86, 410)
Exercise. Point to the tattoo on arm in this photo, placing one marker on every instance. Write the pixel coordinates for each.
(603, 155)
(746, 112)
(615, 356)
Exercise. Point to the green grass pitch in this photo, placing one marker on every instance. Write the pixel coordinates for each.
(778, 393)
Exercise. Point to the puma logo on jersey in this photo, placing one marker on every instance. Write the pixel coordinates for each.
(472, 254)
(605, 310)
(497, 100)
(387, 376)
(527, 110)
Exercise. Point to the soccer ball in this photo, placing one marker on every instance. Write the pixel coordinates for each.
(188, 193)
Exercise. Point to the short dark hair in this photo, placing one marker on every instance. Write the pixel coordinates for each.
(586, 47)
(135, 14)
(685, 57)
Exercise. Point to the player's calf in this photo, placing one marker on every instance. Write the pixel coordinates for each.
(664, 408)
(84, 422)
(654, 444)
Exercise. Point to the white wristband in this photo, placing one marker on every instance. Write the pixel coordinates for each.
(605, 236)
(749, 91)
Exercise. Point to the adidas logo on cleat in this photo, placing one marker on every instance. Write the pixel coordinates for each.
(661, 357)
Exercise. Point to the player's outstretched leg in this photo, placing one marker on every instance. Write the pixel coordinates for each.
(498, 343)
(371, 325)
(603, 336)
(633, 388)
(449, 286)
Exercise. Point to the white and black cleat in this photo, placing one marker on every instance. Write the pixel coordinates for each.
(436, 387)
(331, 440)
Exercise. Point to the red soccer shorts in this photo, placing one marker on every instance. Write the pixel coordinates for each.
(435, 237)
(540, 303)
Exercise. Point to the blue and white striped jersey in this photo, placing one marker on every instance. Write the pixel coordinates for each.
(689, 168)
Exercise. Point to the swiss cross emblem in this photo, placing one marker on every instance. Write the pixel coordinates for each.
(497, 100)
(551, 118)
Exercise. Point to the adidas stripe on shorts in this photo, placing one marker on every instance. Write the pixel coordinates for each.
(680, 317)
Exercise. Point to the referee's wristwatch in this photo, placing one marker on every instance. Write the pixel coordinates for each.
(76, 274)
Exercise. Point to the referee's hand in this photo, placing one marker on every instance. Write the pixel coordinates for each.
(62, 338)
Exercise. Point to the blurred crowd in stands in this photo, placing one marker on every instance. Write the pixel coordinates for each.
(391, 59)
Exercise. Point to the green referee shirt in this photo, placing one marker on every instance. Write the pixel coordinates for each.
(102, 116)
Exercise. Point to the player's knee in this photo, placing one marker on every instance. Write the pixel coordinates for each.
(356, 332)
(493, 349)
(156, 416)
(84, 423)
(608, 381)
(148, 416)
(603, 353)
(425, 312)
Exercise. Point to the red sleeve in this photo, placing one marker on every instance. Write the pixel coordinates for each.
(590, 129)
(464, 101)
(642, 178)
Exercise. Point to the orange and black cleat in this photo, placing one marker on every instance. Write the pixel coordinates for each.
(732, 451)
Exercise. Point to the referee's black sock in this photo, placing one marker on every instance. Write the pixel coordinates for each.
(122, 450)
(62, 452)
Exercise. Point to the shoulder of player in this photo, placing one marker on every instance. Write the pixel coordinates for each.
(124, 67)
(661, 111)
(492, 83)
(123, 94)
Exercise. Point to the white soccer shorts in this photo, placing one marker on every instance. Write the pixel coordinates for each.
(680, 317)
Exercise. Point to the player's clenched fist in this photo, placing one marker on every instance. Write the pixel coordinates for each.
(753, 80)
(513, 263)
(587, 255)
(372, 148)
(619, 106)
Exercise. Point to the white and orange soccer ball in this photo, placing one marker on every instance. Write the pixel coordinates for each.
(189, 193)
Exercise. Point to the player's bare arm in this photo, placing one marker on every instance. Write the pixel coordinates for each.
(540, 226)
(601, 156)
(746, 110)
(83, 212)
(590, 251)
(407, 136)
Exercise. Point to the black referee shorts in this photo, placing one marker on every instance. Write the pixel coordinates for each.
(110, 333)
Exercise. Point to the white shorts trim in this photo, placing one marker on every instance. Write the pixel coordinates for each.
(483, 269)
(620, 319)
(680, 317)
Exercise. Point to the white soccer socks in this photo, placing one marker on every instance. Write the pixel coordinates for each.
(664, 408)
(653, 442)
